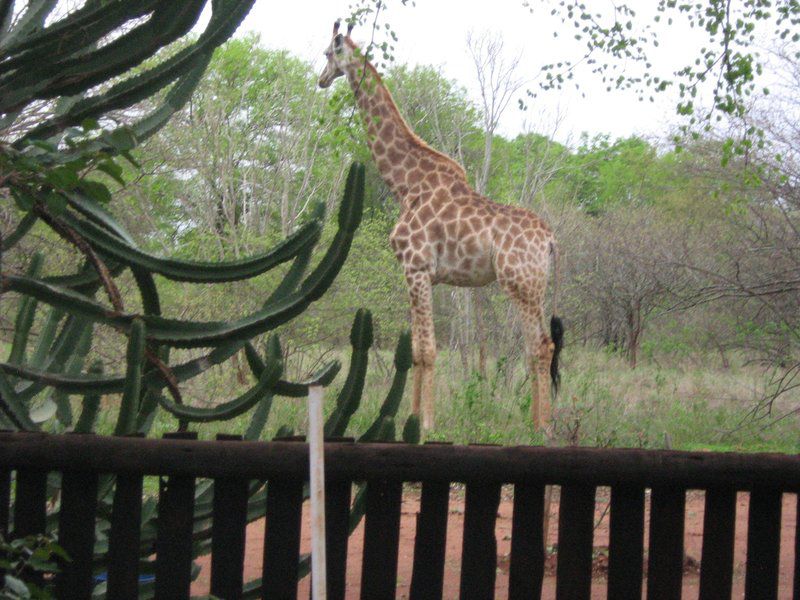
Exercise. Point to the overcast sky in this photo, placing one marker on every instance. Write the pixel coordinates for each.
(434, 32)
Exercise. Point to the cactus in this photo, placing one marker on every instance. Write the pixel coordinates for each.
(52, 143)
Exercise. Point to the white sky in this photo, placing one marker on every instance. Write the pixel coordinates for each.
(434, 33)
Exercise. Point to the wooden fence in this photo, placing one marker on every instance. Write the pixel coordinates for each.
(385, 467)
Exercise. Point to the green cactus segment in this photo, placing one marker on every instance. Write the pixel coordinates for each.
(226, 16)
(98, 215)
(192, 334)
(196, 271)
(29, 21)
(295, 273)
(75, 73)
(388, 410)
(47, 336)
(289, 389)
(73, 367)
(233, 408)
(81, 28)
(350, 394)
(12, 407)
(129, 405)
(25, 315)
(90, 405)
(412, 430)
(23, 227)
(350, 213)
(259, 418)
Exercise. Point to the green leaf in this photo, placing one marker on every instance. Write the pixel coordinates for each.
(96, 191)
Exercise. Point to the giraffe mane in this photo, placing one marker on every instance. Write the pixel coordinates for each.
(415, 139)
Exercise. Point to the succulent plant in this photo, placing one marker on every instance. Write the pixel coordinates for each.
(55, 138)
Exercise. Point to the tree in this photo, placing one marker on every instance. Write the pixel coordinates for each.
(728, 65)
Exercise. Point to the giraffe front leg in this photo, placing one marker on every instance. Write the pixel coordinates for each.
(423, 346)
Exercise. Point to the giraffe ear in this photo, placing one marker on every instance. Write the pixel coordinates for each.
(338, 42)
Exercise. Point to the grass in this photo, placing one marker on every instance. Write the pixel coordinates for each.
(688, 405)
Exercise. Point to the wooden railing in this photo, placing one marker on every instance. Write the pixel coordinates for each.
(82, 459)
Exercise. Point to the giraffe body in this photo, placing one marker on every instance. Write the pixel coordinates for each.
(448, 233)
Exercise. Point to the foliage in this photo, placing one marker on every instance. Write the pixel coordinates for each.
(62, 149)
(617, 37)
(21, 557)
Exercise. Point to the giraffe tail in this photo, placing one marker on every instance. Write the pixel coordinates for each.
(556, 325)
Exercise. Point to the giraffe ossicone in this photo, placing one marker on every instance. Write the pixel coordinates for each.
(448, 233)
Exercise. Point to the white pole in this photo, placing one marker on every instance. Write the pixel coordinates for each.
(317, 484)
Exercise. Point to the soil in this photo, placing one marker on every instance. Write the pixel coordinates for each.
(692, 547)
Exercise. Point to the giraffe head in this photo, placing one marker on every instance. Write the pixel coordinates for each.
(340, 54)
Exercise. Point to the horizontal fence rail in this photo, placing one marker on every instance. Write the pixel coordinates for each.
(82, 459)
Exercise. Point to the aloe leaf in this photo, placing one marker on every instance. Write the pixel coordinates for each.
(196, 271)
(129, 404)
(233, 408)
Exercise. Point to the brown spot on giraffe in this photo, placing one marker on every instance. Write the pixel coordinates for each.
(448, 233)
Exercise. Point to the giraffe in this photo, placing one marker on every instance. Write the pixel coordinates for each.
(448, 233)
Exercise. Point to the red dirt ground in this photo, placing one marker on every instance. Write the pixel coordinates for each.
(692, 546)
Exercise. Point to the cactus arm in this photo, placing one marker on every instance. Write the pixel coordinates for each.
(30, 21)
(23, 227)
(402, 363)
(226, 16)
(74, 74)
(411, 430)
(13, 408)
(25, 314)
(6, 14)
(350, 395)
(289, 389)
(196, 271)
(129, 405)
(90, 405)
(233, 408)
(76, 31)
(349, 219)
(73, 366)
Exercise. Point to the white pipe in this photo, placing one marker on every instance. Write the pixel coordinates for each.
(317, 487)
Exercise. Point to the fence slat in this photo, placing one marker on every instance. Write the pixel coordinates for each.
(76, 534)
(282, 538)
(665, 560)
(30, 510)
(575, 529)
(337, 515)
(719, 534)
(626, 543)
(30, 502)
(427, 576)
(526, 568)
(229, 513)
(797, 551)
(125, 537)
(479, 545)
(174, 537)
(5, 500)
(763, 545)
(381, 538)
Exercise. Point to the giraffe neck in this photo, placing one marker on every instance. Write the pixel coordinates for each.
(392, 143)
